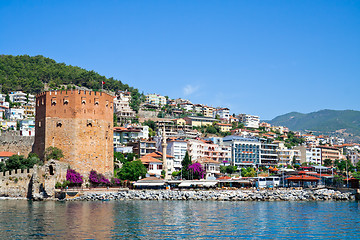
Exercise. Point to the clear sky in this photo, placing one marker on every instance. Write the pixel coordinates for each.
(258, 57)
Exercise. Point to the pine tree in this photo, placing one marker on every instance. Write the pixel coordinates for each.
(185, 166)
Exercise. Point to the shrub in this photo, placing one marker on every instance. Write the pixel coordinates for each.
(74, 177)
(116, 181)
(197, 170)
(98, 179)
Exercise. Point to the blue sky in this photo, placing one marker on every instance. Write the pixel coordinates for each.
(258, 57)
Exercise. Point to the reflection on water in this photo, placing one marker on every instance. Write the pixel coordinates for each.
(178, 219)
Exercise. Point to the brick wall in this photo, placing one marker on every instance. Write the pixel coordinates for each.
(81, 124)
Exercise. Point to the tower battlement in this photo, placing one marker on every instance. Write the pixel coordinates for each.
(80, 123)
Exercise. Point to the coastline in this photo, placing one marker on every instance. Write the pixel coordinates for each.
(219, 195)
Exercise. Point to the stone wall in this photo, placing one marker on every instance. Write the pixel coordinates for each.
(80, 123)
(148, 114)
(37, 183)
(11, 141)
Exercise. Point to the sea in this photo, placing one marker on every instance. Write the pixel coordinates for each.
(132, 219)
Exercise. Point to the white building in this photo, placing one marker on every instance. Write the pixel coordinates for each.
(187, 106)
(15, 114)
(249, 121)
(288, 156)
(155, 99)
(224, 113)
(201, 148)
(153, 165)
(122, 108)
(177, 149)
(313, 155)
(22, 98)
(27, 127)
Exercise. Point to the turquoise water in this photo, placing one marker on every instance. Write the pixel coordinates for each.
(179, 220)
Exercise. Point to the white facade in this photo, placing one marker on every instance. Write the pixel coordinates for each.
(27, 128)
(22, 98)
(199, 149)
(122, 107)
(177, 149)
(187, 106)
(224, 113)
(287, 156)
(314, 155)
(249, 121)
(14, 114)
(155, 99)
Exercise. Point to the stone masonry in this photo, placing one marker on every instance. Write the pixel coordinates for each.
(80, 123)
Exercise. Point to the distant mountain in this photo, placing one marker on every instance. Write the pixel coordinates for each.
(343, 123)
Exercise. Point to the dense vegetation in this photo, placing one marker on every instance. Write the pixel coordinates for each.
(30, 74)
(20, 162)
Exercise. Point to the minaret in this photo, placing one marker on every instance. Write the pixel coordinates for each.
(164, 145)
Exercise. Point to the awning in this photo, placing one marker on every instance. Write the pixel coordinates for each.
(209, 184)
(148, 184)
(185, 184)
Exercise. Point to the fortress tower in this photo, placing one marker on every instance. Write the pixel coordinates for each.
(80, 123)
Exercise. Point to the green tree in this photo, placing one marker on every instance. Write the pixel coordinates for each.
(230, 169)
(20, 162)
(327, 162)
(151, 124)
(115, 120)
(185, 166)
(119, 157)
(53, 153)
(132, 171)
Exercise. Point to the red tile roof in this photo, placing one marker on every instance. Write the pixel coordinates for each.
(148, 159)
(158, 154)
(6, 154)
(303, 178)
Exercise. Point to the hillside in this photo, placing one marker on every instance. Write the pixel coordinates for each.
(30, 74)
(344, 123)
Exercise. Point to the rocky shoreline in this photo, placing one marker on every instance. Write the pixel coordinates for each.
(221, 195)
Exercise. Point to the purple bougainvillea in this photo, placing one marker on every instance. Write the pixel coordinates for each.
(93, 177)
(73, 177)
(116, 181)
(197, 170)
(98, 178)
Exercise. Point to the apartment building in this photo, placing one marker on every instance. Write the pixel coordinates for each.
(201, 148)
(245, 152)
(288, 156)
(155, 99)
(223, 113)
(331, 153)
(249, 121)
(22, 98)
(268, 154)
(122, 108)
(224, 127)
(196, 121)
(177, 148)
(141, 147)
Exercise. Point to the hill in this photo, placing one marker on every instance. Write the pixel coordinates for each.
(344, 123)
(30, 74)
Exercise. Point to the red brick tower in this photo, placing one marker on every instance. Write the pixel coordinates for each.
(80, 123)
